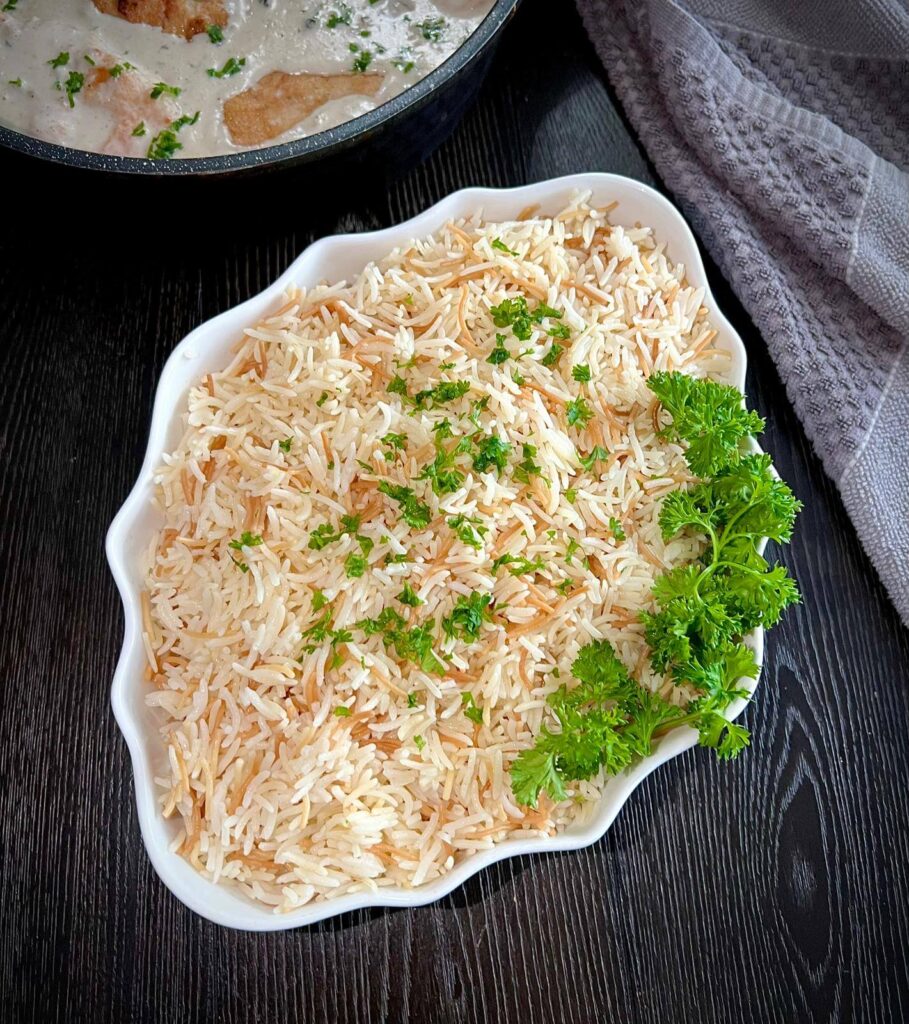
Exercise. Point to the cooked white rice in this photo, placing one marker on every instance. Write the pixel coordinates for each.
(275, 791)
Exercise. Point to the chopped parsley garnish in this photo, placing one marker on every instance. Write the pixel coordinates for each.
(232, 66)
(469, 530)
(387, 620)
(184, 121)
(17, 82)
(163, 89)
(553, 355)
(471, 709)
(403, 64)
(491, 452)
(617, 529)
(397, 386)
(499, 354)
(322, 536)
(571, 548)
(444, 391)
(10, 5)
(323, 398)
(285, 444)
(362, 62)
(412, 700)
(215, 34)
(60, 61)
(326, 534)
(416, 645)
(497, 243)
(165, 143)
(517, 564)
(355, 565)
(319, 600)
(242, 566)
(89, 60)
(513, 313)
(597, 455)
(527, 468)
(581, 373)
(247, 540)
(394, 442)
(560, 331)
(139, 130)
(467, 617)
(441, 472)
(409, 597)
(703, 609)
(320, 631)
(419, 742)
(579, 413)
(73, 84)
(341, 15)
(476, 408)
(432, 29)
(544, 312)
(571, 495)
(413, 511)
(117, 69)
(342, 712)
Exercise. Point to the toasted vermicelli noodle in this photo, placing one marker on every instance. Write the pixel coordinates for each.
(306, 757)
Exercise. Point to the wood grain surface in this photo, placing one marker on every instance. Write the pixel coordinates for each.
(774, 888)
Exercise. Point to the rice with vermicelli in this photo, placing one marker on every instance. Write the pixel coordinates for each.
(308, 755)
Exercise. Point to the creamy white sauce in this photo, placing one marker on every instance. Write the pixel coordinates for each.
(280, 35)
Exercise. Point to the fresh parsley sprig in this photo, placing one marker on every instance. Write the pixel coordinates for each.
(702, 610)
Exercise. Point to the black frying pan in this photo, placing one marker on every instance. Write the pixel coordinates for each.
(395, 135)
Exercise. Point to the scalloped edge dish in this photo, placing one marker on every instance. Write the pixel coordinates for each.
(207, 349)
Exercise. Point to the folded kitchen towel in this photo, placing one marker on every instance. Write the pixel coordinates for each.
(782, 127)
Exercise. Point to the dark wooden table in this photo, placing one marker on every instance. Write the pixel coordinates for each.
(772, 889)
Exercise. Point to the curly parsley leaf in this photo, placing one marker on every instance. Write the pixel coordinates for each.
(709, 417)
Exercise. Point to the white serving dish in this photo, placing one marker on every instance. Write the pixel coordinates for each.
(207, 349)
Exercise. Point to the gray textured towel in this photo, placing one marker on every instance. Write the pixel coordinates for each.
(782, 127)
